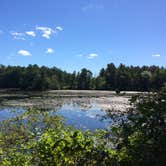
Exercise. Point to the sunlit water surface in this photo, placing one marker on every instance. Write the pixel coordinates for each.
(80, 112)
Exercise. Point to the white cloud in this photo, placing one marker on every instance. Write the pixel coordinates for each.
(88, 56)
(46, 31)
(49, 51)
(92, 6)
(59, 28)
(31, 33)
(92, 55)
(24, 53)
(17, 35)
(156, 55)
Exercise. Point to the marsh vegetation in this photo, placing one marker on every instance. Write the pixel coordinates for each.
(36, 137)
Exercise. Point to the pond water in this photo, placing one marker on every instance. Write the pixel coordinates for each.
(81, 109)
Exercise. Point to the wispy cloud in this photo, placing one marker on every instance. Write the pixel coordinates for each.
(93, 5)
(156, 55)
(46, 31)
(92, 55)
(17, 35)
(24, 53)
(31, 33)
(59, 28)
(50, 51)
(88, 56)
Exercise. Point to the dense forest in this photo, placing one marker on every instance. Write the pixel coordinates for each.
(33, 77)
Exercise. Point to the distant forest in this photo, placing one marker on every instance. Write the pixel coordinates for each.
(133, 78)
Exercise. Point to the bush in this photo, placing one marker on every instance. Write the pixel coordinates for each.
(117, 91)
(140, 140)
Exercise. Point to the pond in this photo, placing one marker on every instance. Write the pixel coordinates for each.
(81, 109)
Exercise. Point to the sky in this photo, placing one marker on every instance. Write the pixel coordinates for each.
(72, 34)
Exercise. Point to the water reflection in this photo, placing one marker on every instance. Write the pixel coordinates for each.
(82, 112)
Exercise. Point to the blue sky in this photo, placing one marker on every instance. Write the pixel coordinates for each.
(82, 33)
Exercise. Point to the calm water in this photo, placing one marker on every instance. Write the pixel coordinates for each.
(79, 110)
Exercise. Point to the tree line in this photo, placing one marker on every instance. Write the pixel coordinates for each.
(33, 77)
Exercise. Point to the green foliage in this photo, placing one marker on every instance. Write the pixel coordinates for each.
(36, 138)
(123, 77)
(141, 140)
(84, 79)
(131, 78)
(39, 138)
(71, 148)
